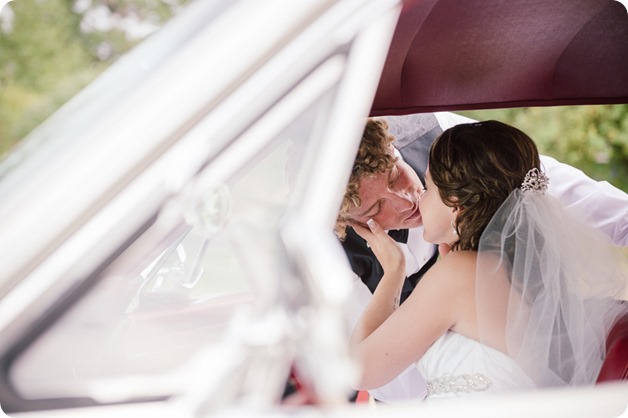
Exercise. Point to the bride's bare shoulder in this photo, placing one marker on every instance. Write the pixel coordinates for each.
(452, 267)
(459, 260)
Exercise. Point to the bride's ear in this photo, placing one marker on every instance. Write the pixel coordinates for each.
(455, 211)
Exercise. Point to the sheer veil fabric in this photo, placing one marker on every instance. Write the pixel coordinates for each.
(552, 284)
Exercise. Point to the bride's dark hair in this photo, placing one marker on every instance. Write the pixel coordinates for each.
(475, 167)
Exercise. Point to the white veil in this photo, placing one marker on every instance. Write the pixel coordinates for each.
(555, 284)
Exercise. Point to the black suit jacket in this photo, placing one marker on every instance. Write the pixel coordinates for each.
(414, 136)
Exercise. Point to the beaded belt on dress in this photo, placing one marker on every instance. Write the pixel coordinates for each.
(461, 383)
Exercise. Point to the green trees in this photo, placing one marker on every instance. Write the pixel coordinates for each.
(50, 49)
(38, 53)
(592, 138)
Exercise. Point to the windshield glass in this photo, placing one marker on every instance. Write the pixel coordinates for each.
(227, 256)
(51, 50)
(36, 152)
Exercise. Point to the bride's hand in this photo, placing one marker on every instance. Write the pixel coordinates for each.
(385, 248)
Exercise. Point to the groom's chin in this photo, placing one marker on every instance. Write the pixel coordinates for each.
(414, 223)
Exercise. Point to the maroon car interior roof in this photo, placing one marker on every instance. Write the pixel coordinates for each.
(483, 54)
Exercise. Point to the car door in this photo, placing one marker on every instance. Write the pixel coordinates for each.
(165, 240)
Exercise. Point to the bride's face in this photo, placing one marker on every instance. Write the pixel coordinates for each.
(437, 217)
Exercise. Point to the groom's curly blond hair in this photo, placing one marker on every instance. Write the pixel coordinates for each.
(373, 157)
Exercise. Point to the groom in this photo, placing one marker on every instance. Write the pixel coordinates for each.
(391, 198)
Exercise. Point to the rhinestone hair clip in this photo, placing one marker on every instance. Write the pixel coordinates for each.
(535, 181)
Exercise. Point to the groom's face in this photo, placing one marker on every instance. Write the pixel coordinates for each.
(390, 198)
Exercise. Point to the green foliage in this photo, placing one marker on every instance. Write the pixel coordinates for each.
(591, 138)
(40, 57)
(51, 49)
(31, 54)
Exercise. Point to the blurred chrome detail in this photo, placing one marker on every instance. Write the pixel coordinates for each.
(209, 210)
(180, 269)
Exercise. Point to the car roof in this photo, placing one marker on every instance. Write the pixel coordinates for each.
(462, 55)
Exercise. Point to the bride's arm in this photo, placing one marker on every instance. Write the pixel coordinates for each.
(386, 297)
(388, 338)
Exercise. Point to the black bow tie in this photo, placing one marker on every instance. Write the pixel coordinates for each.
(399, 235)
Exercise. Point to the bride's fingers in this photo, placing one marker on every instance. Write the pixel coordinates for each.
(360, 228)
(375, 227)
(373, 233)
(376, 235)
(384, 247)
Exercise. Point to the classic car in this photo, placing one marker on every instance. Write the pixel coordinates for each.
(167, 235)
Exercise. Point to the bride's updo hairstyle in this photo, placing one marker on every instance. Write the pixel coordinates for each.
(475, 167)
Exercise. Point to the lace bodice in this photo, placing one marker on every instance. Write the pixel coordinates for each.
(458, 366)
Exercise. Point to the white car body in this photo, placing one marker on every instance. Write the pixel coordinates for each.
(167, 235)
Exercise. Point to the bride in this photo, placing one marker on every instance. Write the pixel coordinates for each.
(524, 299)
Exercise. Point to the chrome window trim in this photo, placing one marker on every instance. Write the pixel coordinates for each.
(159, 190)
(145, 112)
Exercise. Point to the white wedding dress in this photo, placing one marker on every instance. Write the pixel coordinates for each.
(564, 290)
(458, 366)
